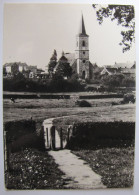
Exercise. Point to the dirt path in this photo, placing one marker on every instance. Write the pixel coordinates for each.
(82, 176)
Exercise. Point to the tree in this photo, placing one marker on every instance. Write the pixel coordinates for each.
(15, 69)
(125, 16)
(64, 69)
(52, 63)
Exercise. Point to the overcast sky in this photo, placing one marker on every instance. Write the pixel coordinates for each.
(33, 31)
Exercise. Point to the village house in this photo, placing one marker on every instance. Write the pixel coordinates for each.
(127, 69)
(27, 71)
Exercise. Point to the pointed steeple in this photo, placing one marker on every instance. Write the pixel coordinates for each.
(82, 27)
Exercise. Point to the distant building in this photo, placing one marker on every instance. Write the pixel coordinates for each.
(123, 65)
(28, 71)
(21, 66)
(131, 72)
(40, 73)
(109, 70)
(32, 69)
(119, 68)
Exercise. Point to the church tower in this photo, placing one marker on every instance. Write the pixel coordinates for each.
(82, 52)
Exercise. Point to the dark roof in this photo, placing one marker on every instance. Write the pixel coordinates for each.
(123, 65)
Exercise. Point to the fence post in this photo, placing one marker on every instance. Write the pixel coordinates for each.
(61, 138)
(52, 137)
(47, 138)
(5, 153)
(68, 136)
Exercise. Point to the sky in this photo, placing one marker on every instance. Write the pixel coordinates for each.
(32, 31)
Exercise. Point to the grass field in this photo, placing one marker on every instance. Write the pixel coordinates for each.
(40, 109)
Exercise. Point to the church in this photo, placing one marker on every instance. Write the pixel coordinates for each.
(79, 61)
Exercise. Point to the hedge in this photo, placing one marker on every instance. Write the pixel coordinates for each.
(22, 134)
(102, 134)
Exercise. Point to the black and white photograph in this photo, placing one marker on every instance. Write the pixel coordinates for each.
(69, 96)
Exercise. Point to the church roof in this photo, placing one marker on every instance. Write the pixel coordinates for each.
(82, 31)
(70, 57)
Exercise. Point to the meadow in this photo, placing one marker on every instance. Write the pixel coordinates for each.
(41, 109)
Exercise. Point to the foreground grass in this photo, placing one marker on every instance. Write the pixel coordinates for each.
(33, 169)
(115, 165)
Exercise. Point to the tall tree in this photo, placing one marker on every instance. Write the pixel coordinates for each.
(52, 63)
(125, 16)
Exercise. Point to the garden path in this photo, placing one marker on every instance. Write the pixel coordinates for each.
(80, 174)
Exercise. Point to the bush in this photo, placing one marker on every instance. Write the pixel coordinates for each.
(128, 98)
(83, 103)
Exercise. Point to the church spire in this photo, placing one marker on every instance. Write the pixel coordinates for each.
(82, 27)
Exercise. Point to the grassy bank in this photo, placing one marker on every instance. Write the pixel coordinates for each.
(33, 169)
(115, 165)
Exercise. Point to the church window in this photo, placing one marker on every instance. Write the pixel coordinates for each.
(84, 52)
(83, 43)
(77, 43)
(83, 61)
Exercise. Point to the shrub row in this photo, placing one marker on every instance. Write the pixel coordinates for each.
(101, 96)
(19, 96)
(102, 134)
(49, 85)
